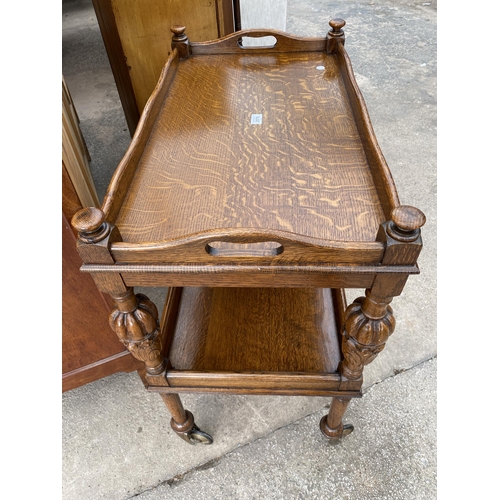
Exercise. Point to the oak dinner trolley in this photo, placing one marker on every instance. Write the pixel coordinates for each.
(255, 191)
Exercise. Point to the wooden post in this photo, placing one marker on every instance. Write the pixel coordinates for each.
(180, 41)
(369, 320)
(335, 35)
(134, 318)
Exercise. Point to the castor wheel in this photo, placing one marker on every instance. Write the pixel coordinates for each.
(197, 436)
(190, 432)
(334, 435)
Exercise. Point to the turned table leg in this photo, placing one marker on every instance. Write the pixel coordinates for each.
(369, 320)
(369, 323)
(135, 321)
(182, 421)
(134, 318)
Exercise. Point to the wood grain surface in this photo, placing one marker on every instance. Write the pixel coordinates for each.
(125, 171)
(206, 166)
(75, 155)
(274, 41)
(110, 36)
(256, 329)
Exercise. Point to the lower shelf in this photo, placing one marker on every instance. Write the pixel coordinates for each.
(253, 340)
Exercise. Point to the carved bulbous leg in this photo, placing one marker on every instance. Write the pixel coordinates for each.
(368, 324)
(135, 321)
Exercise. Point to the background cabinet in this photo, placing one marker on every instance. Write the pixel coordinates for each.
(137, 38)
(90, 349)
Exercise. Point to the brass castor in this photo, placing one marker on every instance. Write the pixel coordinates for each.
(197, 436)
(334, 435)
(193, 434)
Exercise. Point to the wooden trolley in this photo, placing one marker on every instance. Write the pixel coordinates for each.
(255, 190)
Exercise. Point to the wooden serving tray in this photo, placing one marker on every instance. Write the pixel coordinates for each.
(206, 166)
(263, 153)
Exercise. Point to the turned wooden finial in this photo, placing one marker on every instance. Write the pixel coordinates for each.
(90, 224)
(180, 41)
(178, 31)
(335, 35)
(337, 25)
(406, 222)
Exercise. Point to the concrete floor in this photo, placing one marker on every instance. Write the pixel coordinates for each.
(117, 441)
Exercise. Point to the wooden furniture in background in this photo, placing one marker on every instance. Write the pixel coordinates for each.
(89, 352)
(75, 155)
(136, 37)
(254, 188)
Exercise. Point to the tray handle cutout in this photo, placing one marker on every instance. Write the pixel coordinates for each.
(260, 249)
(257, 41)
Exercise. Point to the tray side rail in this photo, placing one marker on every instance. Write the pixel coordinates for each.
(232, 43)
(125, 171)
(382, 177)
(235, 246)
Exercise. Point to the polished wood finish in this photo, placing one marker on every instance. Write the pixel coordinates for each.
(407, 219)
(144, 33)
(80, 351)
(285, 43)
(71, 203)
(75, 155)
(249, 176)
(369, 320)
(255, 187)
(285, 175)
(296, 249)
(124, 173)
(382, 177)
(331, 425)
(88, 221)
(267, 275)
(263, 382)
(180, 41)
(123, 361)
(135, 321)
(273, 329)
(182, 421)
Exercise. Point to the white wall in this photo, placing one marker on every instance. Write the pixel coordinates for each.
(262, 14)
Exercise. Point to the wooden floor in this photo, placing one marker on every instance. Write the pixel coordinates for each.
(206, 166)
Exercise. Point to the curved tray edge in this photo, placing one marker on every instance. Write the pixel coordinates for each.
(195, 248)
(382, 175)
(285, 42)
(125, 171)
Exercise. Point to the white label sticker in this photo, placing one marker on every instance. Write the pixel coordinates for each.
(256, 120)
